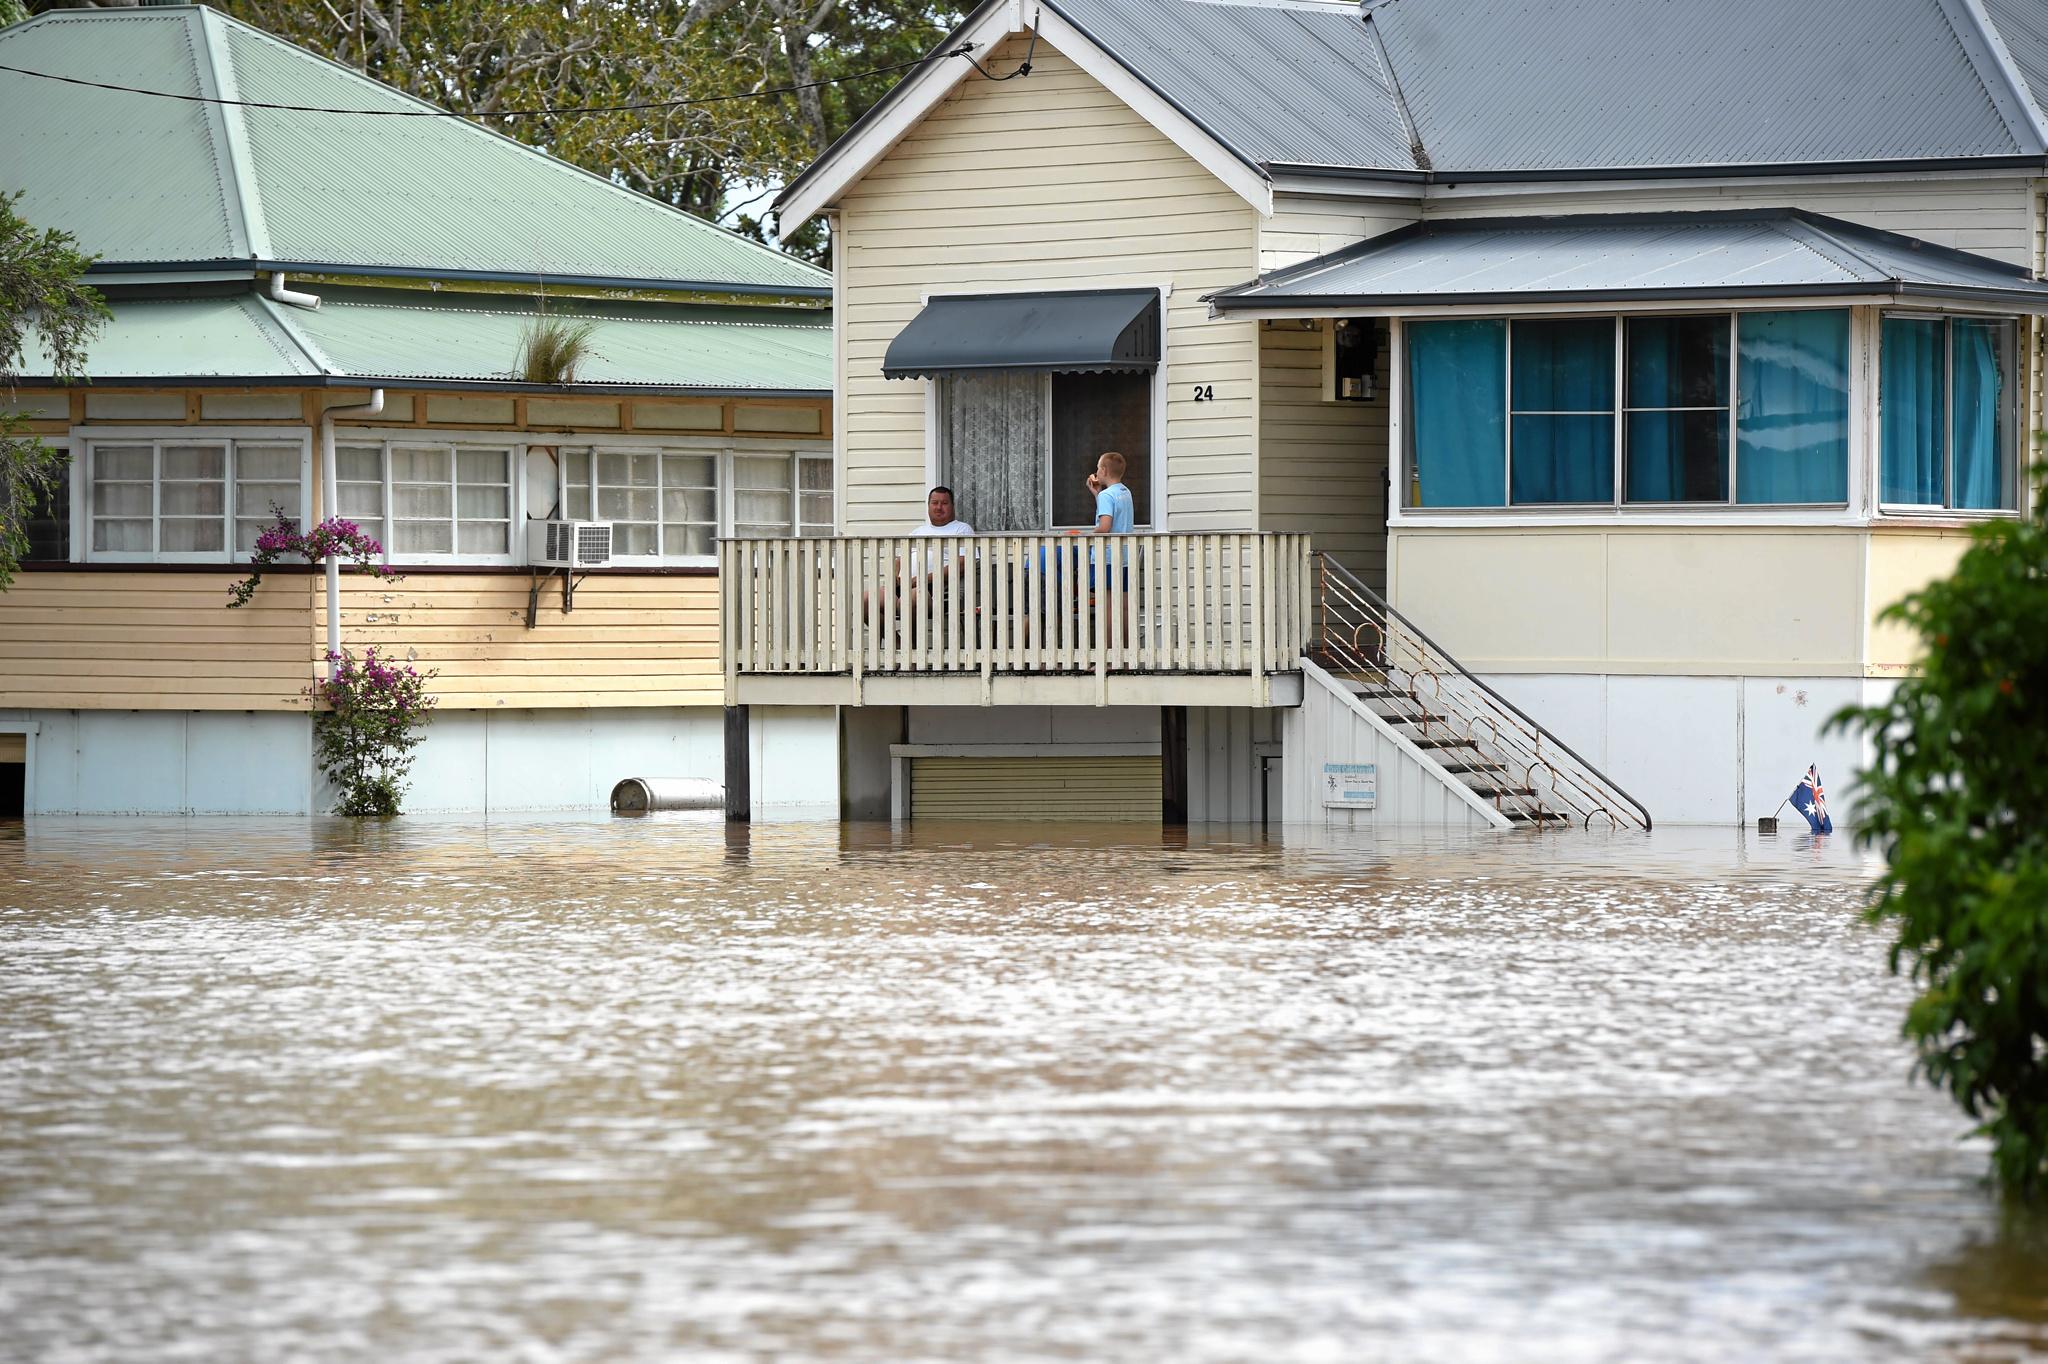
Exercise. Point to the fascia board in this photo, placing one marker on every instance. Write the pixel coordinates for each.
(1499, 307)
(907, 106)
(1249, 184)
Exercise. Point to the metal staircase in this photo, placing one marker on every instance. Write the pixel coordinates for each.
(1477, 735)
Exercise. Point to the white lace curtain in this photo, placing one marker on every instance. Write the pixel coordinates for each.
(992, 428)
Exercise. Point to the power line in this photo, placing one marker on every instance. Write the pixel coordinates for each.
(964, 50)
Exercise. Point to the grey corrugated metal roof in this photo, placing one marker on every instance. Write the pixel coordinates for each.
(1774, 253)
(2023, 27)
(144, 180)
(1276, 83)
(418, 336)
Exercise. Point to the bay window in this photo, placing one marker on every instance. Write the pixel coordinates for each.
(197, 497)
(1712, 409)
(1948, 424)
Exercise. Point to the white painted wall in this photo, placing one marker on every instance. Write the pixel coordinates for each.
(1034, 724)
(1227, 747)
(1331, 725)
(793, 761)
(1701, 750)
(497, 761)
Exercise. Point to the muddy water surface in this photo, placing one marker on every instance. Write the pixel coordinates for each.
(646, 1090)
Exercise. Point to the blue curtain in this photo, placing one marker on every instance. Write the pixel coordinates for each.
(1563, 405)
(1678, 373)
(1979, 411)
(1792, 426)
(1457, 413)
(1911, 396)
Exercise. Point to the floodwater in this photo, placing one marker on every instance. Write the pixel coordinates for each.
(651, 1090)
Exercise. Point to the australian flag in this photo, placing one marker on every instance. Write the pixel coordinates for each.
(1811, 801)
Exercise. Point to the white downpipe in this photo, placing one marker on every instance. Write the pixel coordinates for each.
(330, 499)
(295, 297)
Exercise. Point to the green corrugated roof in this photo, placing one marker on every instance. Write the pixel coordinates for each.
(148, 181)
(400, 336)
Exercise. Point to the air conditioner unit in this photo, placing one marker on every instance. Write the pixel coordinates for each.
(568, 544)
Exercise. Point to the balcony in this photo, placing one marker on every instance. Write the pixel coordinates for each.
(1217, 619)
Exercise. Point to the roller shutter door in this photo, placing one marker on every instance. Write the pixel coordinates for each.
(1120, 788)
(13, 748)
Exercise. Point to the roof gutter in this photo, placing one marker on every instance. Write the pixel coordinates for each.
(1319, 305)
(526, 277)
(1736, 170)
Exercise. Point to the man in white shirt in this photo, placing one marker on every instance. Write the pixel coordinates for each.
(939, 521)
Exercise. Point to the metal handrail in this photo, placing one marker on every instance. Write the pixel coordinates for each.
(1363, 595)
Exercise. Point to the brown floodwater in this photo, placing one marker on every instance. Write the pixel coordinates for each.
(575, 1090)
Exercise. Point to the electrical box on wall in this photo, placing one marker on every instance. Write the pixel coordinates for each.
(1351, 353)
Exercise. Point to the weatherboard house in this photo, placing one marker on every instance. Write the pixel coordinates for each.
(324, 312)
(1530, 408)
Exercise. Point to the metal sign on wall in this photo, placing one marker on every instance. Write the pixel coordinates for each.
(1351, 786)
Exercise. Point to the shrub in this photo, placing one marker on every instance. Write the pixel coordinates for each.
(343, 539)
(369, 722)
(1957, 794)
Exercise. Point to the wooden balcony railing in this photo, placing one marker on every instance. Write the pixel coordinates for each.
(1010, 604)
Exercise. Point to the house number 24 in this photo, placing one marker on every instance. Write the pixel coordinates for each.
(1205, 393)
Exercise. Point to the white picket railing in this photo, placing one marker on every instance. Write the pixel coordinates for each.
(1212, 603)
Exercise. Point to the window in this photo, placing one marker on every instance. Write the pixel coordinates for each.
(1717, 409)
(425, 500)
(1947, 426)
(663, 502)
(1017, 447)
(189, 498)
(47, 526)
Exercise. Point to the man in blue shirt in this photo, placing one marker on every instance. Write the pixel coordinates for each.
(1115, 514)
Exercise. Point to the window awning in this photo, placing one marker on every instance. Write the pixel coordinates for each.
(1589, 259)
(1110, 329)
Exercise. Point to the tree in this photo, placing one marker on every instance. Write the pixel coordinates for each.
(487, 57)
(1957, 794)
(42, 294)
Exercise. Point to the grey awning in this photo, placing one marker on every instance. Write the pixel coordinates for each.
(1596, 258)
(1110, 329)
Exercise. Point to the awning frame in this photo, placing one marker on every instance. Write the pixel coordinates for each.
(1102, 331)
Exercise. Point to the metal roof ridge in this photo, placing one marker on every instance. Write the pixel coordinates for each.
(217, 81)
(1417, 153)
(597, 314)
(1984, 45)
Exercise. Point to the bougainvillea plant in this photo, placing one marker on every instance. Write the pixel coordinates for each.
(343, 539)
(367, 723)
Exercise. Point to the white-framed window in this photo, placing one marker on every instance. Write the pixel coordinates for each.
(196, 495)
(1742, 409)
(1016, 447)
(427, 500)
(1948, 413)
(669, 501)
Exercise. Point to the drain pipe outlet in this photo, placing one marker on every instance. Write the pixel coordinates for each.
(295, 297)
(330, 499)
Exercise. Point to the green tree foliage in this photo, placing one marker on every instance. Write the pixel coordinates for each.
(719, 161)
(1957, 795)
(44, 300)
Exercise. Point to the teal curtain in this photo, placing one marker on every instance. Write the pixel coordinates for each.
(1912, 395)
(1792, 425)
(1457, 413)
(1677, 425)
(1981, 349)
(1563, 411)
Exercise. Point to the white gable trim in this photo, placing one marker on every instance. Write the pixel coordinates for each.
(921, 93)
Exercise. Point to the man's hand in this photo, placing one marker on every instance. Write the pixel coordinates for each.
(1094, 485)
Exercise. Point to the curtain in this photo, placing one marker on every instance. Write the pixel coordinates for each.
(1792, 429)
(992, 432)
(1457, 413)
(1912, 395)
(1979, 411)
(1563, 406)
(1677, 426)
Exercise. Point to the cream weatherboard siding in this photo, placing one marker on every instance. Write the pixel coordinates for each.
(1322, 464)
(1043, 183)
(1304, 226)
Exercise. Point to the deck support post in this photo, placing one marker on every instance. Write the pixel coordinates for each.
(739, 796)
(1173, 765)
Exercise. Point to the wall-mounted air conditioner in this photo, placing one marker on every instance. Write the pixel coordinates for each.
(568, 544)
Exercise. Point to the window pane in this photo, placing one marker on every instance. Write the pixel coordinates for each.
(359, 464)
(195, 461)
(268, 463)
(266, 501)
(476, 504)
(816, 513)
(1678, 361)
(1564, 365)
(684, 504)
(1792, 430)
(123, 462)
(192, 499)
(694, 540)
(49, 519)
(422, 537)
(625, 504)
(122, 499)
(1982, 353)
(482, 537)
(1912, 398)
(1564, 458)
(417, 464)
(576, 503)
(815, 475)
(1678, 456)
(688, 471)
(184, 536)
(761, 472)
(629, 537)
(1457, 413)
(480, 466)
(1092, 413)
(358, 500)
(121, 536)
(762, 513)
(416, 500)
